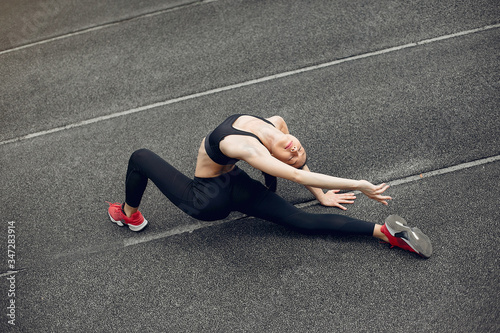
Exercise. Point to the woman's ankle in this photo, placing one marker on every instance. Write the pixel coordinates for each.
(128, 210)
(377, 233)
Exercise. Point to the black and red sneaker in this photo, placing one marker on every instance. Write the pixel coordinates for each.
(136, 222)
(401, 235)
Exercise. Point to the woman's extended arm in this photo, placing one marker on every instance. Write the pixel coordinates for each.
(260, 158)
(331, 198)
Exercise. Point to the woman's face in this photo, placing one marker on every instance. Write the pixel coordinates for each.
(289, 150)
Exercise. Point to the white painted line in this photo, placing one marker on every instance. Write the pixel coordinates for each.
(175, 231)
(100, 27)
(458, 34)
(246, 83)
(445, 170)
(202, 225)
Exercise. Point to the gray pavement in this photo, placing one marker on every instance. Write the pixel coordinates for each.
(384, 117)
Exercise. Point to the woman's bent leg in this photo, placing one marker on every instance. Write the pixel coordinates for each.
(144, 165)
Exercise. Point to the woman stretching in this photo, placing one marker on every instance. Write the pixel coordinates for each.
(220, 187)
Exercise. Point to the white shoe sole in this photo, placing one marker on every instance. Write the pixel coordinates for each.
(131, 227)
(414, 237)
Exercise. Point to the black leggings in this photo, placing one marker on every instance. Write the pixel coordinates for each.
(211, 199)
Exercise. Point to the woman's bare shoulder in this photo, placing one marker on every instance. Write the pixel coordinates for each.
(279, 123)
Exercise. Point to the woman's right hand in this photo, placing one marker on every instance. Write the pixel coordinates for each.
(374, 191)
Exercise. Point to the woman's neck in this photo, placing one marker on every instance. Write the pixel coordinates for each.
(270, 137)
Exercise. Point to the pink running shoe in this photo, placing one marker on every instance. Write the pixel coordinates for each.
(401, 235)
(136, 222)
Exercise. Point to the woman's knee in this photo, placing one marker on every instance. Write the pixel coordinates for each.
(140, 154)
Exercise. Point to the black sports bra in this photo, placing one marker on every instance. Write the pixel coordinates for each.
(213, 139)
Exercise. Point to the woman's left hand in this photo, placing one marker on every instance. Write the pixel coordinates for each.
(334, 199)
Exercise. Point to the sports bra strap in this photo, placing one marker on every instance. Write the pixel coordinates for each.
(226, 128)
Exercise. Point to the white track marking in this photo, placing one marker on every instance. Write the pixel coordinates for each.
(244, 84)
(101, 27)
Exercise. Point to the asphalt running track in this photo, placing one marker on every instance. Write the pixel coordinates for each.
(398, 92)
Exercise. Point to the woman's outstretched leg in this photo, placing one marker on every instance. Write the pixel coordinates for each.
(254, 200)
(275, 209)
